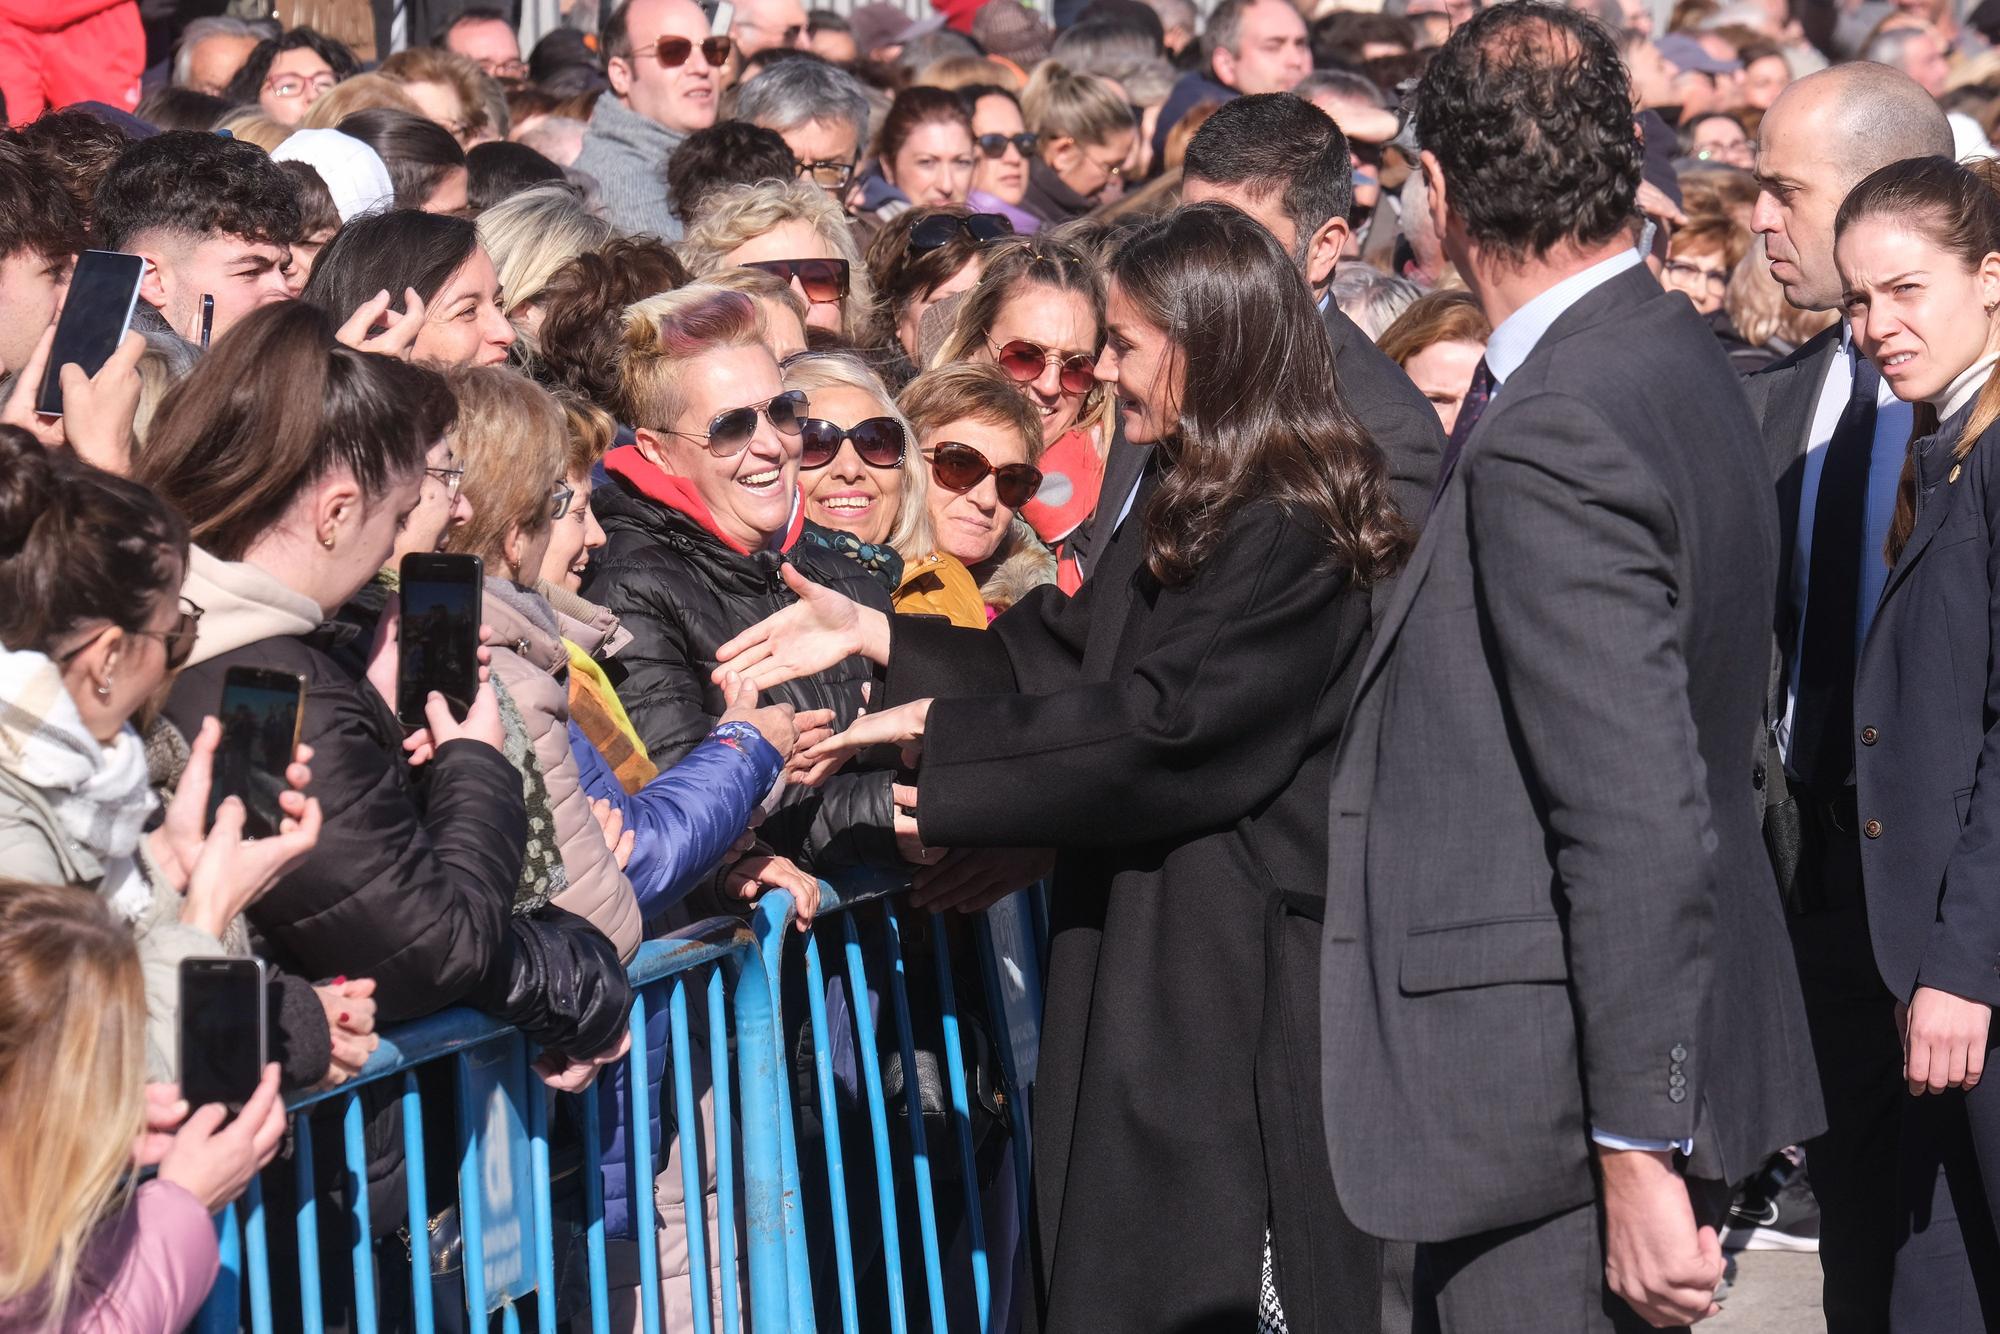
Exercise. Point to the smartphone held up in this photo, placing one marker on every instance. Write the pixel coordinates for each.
(437, 635)
(224, 1031)
(260, 716)
(103, 291)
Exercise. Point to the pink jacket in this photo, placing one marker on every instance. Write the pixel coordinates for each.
(147, 1270)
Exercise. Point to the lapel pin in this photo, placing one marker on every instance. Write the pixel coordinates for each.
(1952, 476)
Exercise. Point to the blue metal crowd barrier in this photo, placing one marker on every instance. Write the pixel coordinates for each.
(772, 1242)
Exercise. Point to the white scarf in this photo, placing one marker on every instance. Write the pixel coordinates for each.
(100, 793)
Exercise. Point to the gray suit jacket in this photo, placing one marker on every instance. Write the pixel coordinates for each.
(1549, 906)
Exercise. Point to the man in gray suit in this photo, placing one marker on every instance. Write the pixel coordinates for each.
(1836, 438)
(1558, 1011)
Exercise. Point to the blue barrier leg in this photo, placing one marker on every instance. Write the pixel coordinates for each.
(694, 1211)
(762, 1092)
(255, 1244)
(545, 1228)
(220, 1313)
(771, 926)
(725, 1154)
(307, 1223)
(961, 1113)
(829, 1117)
(471, 1217)
(878, 1123)
(593, 1213)
(356, 1151)
(417, 1192)
(913, 1105)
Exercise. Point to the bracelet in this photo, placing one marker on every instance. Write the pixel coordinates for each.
(736, 736)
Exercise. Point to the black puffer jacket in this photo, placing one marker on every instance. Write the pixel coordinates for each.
(683, 593)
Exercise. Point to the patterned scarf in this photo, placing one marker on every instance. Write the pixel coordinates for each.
(543, 875)
(878, 558)
(98, 792)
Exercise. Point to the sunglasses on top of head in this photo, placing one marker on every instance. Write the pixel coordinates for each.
(730, 431)
(941, 229)
(1025, 360)
(995, 145)
(824, 281)
(878, 442)
(957, 467)
(673, 52)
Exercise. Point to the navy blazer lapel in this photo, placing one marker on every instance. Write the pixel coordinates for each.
(1940, 473)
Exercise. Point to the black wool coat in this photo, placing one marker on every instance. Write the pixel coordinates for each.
(1173, 745)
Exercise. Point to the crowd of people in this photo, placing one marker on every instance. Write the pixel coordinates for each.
(1453, 540)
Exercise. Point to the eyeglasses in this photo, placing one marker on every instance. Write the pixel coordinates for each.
(289, 86)
(878, 441)
(1025, 361)
(824, 281)
(941, 229)
(730, 431)
(560, 497)
(178, 642)
(451, 477)
(995, 145)
(827, 173)
(957, 467)
(1719, 152)
(673, 52)
(1684, 274)
(505, 69)
(1115, 170)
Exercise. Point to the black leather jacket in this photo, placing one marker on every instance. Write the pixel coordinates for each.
(682, 593)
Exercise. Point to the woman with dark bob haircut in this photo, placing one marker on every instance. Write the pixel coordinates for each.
(1169, 731)
(430, 265)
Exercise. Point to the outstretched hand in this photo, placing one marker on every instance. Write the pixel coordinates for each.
(901, 726)
(822, 628)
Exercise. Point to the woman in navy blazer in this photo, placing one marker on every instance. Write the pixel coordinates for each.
(1918, 244)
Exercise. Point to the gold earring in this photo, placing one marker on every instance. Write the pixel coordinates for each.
(104, 690)
(326, 540)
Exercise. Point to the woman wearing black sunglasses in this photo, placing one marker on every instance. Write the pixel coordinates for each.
(859, 472)
(794, 230)
(1005, 147)
(699, 515)
(1169, 730)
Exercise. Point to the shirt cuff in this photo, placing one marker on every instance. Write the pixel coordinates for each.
(1608, 1141)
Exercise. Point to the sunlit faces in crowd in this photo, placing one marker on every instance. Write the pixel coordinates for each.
(294, 82)
(1917, 311)
(1004, 147)
(680, 96)
(747, 484)
(466, 323)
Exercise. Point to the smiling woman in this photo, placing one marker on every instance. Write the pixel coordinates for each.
(437, 258)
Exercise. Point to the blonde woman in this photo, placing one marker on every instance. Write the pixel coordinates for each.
(792, 229)
(530, 235)
(783, 308)
(1038, 314)
(363, 92)
(83, 1250)
(859, 471)
(1085, 136)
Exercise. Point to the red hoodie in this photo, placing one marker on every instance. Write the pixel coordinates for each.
(677, 493)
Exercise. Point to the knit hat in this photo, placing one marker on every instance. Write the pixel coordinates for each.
(1009, 29)
(354, 173)
(877, 25)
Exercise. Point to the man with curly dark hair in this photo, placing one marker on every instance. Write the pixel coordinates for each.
(211, 216)
(1559, 1013)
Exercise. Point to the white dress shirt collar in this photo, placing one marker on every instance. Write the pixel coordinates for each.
(1518, 334)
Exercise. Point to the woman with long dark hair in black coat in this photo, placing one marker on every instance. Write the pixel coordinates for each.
(1169, 731)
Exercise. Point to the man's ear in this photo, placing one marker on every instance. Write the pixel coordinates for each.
(1324, 251)
(153, 283)
(618, 73)
(1223, 62)
(1061, 153)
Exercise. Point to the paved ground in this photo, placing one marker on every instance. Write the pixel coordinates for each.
(1773, 1293)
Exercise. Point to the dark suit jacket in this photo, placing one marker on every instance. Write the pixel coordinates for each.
(1395, 414)
(1926, 698)
(1549, 906)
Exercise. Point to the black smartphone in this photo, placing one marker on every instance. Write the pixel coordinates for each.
(437, 640)
(207, 319)
(103, 288)
(260, 735)
(224, 1031)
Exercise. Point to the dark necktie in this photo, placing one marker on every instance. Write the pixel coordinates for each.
(1823, 713)
(1469, 409)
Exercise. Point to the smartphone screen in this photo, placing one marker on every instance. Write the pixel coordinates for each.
(260, 734)
(223, 1035)
(102, 290)
(437, 642)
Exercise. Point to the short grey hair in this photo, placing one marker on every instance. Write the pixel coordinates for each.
(1887, 48)
(1119, 53)
(1343, 84)
(1371, 298)
(791, 93)
(219, 25)
(1176, 14)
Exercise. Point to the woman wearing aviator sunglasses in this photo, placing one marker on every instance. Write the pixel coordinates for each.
(794, 230)
(696, 515)
(1038, 314)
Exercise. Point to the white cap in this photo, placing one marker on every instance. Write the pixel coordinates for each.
(354, 173)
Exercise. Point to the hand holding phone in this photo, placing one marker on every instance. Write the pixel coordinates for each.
(437, 633)
(261, 712)
(103, 289)
(224, 1031)
(96, 424)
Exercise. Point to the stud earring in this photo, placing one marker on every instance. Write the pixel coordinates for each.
(104, 690)
(326, 540)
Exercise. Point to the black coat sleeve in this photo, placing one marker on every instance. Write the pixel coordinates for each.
(417, 900)
(1200, 731)
(566, 989)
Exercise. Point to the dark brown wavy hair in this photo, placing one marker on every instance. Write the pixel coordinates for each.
(1261, 416)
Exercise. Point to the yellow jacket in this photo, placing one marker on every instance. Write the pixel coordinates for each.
(939, 585)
